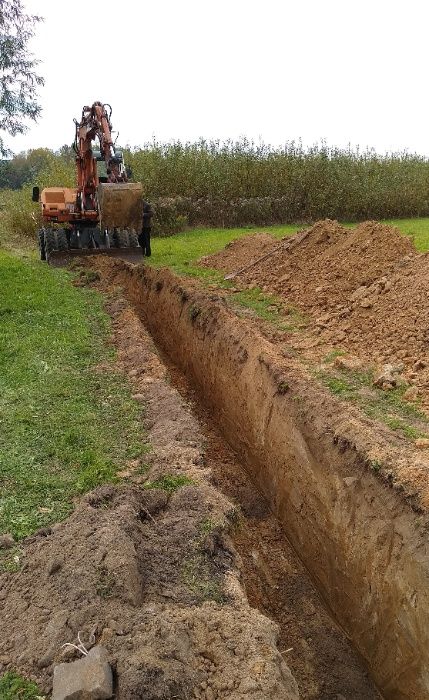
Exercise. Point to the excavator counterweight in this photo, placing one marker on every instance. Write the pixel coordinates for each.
(104, 212)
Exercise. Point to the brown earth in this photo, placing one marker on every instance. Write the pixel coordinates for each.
(154, 576)
(151, 575)
(245, 250)
(321, 658)
(363, 289)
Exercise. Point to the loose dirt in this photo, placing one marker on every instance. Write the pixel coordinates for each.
(155, 574)
(363, 289)
(245, 250)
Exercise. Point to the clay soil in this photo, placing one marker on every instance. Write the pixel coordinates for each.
(364, 290)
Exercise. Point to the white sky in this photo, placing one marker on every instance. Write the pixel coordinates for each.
(344, 70)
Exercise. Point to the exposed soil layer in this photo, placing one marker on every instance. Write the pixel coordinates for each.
(364, 289)
(321, 658)
(354, 525)
(149, 573)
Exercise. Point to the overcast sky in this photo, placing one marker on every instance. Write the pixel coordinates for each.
(342, 70)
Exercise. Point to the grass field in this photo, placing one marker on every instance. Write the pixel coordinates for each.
(67, 417)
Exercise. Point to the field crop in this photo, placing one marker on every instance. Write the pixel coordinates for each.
(241, 183)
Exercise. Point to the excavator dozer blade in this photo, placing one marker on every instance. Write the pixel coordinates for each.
(121, 205)
(62, 258)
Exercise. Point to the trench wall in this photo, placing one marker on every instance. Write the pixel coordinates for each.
(360, 540)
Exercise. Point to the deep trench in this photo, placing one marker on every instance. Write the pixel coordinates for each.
(321, 657)
(271, 431)
(318, 652)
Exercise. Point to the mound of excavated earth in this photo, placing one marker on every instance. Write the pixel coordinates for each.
(365, 289)
(244, 251)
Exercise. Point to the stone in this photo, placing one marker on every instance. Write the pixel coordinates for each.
(6, 541)
(138, 397)
(366, 303)
(89, 678)
(350, 363)
(53, 566)
(422, 443)
(385, 378)
(359, 293)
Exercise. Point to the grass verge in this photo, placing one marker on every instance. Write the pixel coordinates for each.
(67, 419)
(388, 407)
(14, 687)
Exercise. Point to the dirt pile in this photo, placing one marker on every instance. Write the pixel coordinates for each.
(389, 319)
(116, 573)
(243, 251)
(365, 289)
(326, 266)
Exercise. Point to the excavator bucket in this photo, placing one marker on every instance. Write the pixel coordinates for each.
(121, 205)
(64, 258)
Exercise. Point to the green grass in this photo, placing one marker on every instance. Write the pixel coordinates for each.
(67, 419)
(388, 407)
(417, 229)
(14, 687)
(269, 307)
(169, 482)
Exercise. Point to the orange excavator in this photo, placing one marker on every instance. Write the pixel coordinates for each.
(104, 212)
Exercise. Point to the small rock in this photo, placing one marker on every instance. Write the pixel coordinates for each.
(53, 566)
(359, 293)
(116, 627)
(350, 363)
(350, 480)
(366, 303)
(6, 541)
(138, 397)
(45, 660)
(385, 379)
(90, 678)
(422, 443)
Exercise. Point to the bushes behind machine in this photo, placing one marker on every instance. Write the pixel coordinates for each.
(19, 216)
